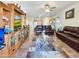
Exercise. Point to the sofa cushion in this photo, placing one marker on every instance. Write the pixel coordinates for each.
(67, 36)
(71, 29)
(71, 33)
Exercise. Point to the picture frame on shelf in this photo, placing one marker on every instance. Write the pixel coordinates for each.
(19, 36)
(70, 13)
(13, 40)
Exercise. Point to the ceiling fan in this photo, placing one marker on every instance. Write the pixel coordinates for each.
(49, 8)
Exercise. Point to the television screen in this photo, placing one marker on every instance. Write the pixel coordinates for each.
(1, 35)
(17, 22)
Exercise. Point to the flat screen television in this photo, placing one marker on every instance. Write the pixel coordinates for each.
(1, 35)
(1, 38)
(17, 22)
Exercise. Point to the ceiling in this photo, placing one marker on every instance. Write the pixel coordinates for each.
(35, 8)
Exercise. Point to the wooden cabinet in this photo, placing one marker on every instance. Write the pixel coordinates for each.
(10, 11)
(5, 12)
(15, 11)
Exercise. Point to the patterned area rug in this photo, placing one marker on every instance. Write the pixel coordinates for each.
(41, 48)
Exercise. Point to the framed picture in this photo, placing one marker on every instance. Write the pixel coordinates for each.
(69, 14)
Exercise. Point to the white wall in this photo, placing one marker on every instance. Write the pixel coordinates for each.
(46, 21)
(70, 22)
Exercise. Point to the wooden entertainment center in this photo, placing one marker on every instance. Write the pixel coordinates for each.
(12, 11)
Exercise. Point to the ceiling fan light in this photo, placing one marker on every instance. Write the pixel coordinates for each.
(47, 10)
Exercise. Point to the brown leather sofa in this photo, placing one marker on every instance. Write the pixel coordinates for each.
(70, 35)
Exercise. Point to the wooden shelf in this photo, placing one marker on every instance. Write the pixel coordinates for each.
(4, 11)
(10, 10)
(14, 7)
(16, 11)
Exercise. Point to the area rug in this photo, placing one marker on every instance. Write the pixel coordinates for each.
(41, 48)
